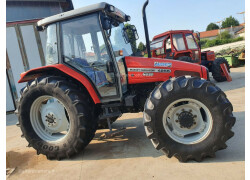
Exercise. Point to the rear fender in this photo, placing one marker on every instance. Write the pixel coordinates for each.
(37, 72)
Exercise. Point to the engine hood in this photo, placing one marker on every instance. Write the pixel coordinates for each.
(146, 70)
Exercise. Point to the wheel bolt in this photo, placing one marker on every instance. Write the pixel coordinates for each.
(177, 114)
(194, 122)
(183, 110)
(181, 126)
(177, 121)
(190, 110)
(195, 116)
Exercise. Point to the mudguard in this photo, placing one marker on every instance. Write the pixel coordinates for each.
(37, 72)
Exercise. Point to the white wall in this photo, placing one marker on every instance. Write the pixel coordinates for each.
(15, 57)
(9, 100)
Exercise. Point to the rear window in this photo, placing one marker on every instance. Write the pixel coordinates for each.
(157, 43)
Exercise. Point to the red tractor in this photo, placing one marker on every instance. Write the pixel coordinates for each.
(91, 76)
(182, 45)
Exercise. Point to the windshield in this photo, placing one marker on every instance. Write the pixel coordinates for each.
(157, 43)
(118, 41)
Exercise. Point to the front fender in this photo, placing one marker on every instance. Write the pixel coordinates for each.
(37, 72)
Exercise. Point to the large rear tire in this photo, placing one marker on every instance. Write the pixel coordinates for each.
(56, 117)
(189, 118)
(217, 71)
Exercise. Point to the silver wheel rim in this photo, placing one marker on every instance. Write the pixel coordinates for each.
(48, 117)
(187, 121)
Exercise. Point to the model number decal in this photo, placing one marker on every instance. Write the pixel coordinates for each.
(149, 70)
(148, 74)
(162, 64)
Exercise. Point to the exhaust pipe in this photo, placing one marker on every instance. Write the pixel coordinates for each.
(146, 28)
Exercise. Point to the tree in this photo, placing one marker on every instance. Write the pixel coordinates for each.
(141, 47)
(230, 21)
(212, 26)
(131, 37)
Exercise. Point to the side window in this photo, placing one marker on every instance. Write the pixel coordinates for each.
(168, 45)
(178, 42)
(102, 46)
(89, 53)
(51, 45)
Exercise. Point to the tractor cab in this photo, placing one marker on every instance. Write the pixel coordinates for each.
(176, 45)
(93, 41)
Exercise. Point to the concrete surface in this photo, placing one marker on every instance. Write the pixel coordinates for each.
(226, 46)
(131, 155)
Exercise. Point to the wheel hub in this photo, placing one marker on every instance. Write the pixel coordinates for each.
(50, 119)
(186, 119)
(54, 117)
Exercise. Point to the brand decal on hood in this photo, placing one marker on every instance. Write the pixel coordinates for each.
(162, 64)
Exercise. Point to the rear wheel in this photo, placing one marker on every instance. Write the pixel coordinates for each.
(217, 72)
(56, 117)
(182, 123)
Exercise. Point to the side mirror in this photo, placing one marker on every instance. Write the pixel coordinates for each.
(110, 67)
(133, 28)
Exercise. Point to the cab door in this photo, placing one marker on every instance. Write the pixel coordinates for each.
(84, 48)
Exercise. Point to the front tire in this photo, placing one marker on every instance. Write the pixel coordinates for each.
(199, 113)
(56, 117)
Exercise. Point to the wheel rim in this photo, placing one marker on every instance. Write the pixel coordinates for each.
(49, 118)
(187, 121)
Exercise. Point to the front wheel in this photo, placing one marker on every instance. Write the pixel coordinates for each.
(189, 118)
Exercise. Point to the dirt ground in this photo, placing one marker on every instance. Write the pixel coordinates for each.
(131, 155)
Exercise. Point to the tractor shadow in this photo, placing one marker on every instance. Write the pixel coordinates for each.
(133, 143)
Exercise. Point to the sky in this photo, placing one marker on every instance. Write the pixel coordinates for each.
(164, 15)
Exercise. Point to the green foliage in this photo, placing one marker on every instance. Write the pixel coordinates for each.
(230, 21)
(141, 47)
(225, 35)
(212, 26)
(205, 43)
(131, 37)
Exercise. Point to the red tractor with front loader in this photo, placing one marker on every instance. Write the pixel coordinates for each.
(182, 45)
(91, 76)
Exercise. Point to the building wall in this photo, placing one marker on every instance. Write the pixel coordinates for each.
(25, 47)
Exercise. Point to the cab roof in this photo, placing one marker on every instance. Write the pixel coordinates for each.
(171, 32)
(73, 13)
